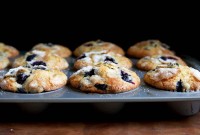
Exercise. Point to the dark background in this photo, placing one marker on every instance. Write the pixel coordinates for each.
(125, 24)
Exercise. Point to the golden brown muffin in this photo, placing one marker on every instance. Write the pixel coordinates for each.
(149, 48)
(174, 77)
(52, 61)
(104, 78)
(9, 51)
(99, 45)
(151, 62)
(28, 80)
(60, 50)
(93, 58)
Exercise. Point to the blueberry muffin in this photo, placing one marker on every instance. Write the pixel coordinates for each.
(151, 62)
(60, 50)
(93, 58)
(50, 60)
(149, 48)
(32, 80)
(9, 51)
(99, 45)
(104, 78)
(174, 77)
(4, 61)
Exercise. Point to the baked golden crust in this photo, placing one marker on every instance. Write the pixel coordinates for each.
(95, 46)
(4, 61)
(8, 50)
(29, 80)
(93, 58)
(52, 61)
(174, 78)
(151, 62)
(104, 78)
(148, 48)
(60, 50)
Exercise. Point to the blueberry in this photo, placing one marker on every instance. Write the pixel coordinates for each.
(179, 86)
(81, 57)
(163, 58)
(39, 67)
(101, 86)
(37, 63)
(88, 44)
(126, 77)
(21, 90)
(169, 57)
(90, 73)
(21, 78)
(110, 59)
(30, 57)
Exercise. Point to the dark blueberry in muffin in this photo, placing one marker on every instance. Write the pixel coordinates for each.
(153, 69)
(90, 73)
(179, 86)
(126, 77)
(21, 78)
(30, 57)
(40, 67)
(110, 59)
(21, 90)
(167, 57)
(101, 86)
(38, 63)
(81, 57)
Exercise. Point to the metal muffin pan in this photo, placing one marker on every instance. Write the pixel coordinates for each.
(186, 103)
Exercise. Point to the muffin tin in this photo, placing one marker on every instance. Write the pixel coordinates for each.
(186, 103)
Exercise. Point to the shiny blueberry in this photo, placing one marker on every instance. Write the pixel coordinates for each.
(30, 57)
(37, 63)
(179, 86)
(90, 73)
(101, 86)
(81, 57)
(163, 58)
(126, 77)
(110, 59)
(169, 57)
(21, 78)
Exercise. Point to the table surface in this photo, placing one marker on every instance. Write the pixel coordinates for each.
(87, 119)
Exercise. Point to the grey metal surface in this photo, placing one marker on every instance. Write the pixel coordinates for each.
(67, 94)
